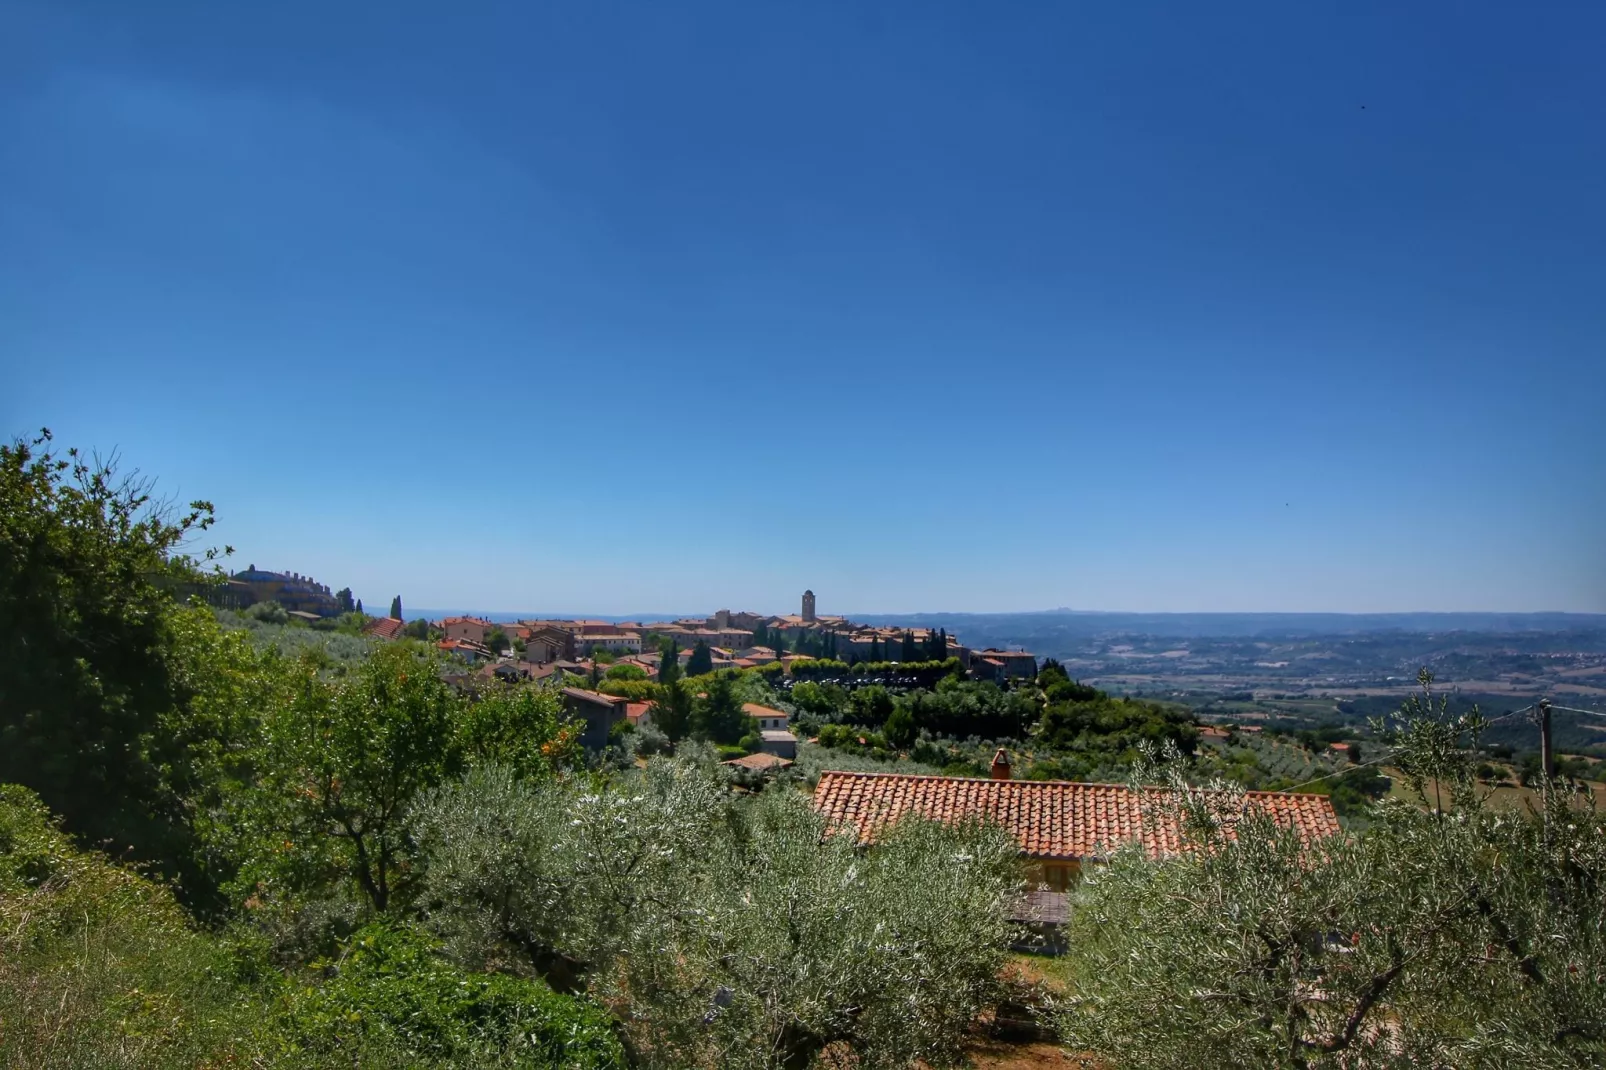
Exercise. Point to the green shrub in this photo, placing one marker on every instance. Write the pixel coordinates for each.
(268, 613)
(634, 690)
(393, 991)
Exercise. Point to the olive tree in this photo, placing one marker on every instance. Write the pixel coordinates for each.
(1451, 933)
(723, 930)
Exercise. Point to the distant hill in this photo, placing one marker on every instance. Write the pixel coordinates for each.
(1084, 624)
(1053, 627)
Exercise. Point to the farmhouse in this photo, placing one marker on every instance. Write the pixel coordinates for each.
(1058, 824)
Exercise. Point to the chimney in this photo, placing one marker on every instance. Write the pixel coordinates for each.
(1000, 766)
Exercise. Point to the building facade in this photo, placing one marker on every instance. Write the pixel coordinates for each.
(295, 592)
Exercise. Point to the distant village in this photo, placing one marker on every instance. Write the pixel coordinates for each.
(733, 640)
(562, 650)
(536, 649)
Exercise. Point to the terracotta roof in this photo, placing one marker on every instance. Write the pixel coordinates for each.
(637, 710)
(753, 709)
(760, 761)
(384, 627)
(464, 644)
(596, 698)
(1048, 818)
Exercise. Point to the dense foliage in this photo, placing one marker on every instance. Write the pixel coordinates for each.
(1450, 934)
(95, 711)
(393, 993)
(100, 968)
(738, 933)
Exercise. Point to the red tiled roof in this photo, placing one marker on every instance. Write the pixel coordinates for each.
(384, 627)
(1048, 818)
(637, 710)
(582, 695)
(753, 709)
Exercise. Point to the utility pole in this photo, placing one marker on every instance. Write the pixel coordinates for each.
(1547, 756)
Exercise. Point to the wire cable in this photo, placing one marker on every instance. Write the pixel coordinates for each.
(1574, 709)
(1513, 713)
(1392, 753)
(1336, 772)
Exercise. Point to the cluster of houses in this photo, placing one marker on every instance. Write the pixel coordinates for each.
(551, 647)
(1059, 826)
(600, 713)
(588, 649)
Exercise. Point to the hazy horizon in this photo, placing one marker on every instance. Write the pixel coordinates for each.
(503, 615)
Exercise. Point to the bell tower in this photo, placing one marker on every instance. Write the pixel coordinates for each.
(808, 607)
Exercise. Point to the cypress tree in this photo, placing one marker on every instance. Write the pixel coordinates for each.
(395, 607)
(701, 660)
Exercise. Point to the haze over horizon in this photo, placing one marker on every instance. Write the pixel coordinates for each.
(1158, 307)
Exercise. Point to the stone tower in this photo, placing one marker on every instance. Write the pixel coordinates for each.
(808, 606)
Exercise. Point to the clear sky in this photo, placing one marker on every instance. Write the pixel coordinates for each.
(926, 306)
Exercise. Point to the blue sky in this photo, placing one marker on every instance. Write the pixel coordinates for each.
(925, 306)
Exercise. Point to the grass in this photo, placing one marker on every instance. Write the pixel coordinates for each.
(1051, 972)
(97, 965)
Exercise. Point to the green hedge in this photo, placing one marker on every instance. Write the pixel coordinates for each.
(926, 673)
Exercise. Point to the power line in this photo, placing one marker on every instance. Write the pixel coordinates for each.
(1337, 772)
(1392, 753)
(1574, 709)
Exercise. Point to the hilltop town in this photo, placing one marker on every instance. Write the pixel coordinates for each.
(537, 649)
